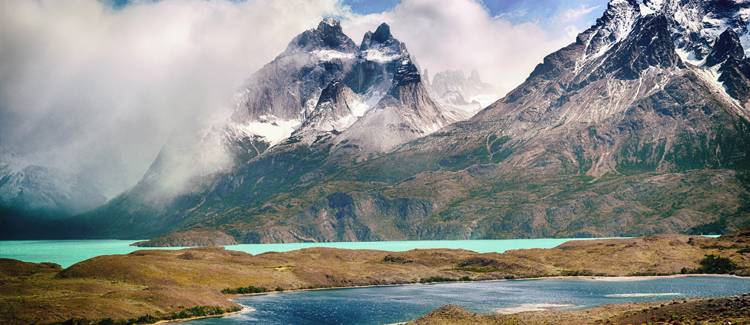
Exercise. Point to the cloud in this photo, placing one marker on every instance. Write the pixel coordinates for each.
(97, 91)
(574, 15)
(462, 34)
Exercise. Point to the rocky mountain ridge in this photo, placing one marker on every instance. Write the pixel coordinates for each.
(638, 127)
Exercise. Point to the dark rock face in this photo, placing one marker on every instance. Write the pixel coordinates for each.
(406, 73)
(726, 46)
(382, 37)
(649, 45)
(735, 75)
(328, 35)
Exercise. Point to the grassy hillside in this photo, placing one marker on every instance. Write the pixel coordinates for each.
(157, 284)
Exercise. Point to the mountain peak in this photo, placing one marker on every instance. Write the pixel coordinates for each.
(382, 33)
(382, 37)
(327, 36)
(330, 22)
(728, 45)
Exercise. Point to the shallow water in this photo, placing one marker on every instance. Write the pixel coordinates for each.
(383, 305)
(69, 252)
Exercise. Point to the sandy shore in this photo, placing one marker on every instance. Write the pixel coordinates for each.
(245, 309)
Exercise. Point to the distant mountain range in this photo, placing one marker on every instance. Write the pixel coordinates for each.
(638, 127)
(36, 201)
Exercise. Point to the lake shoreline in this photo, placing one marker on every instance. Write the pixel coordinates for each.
(164, 283)
(572, 277)
(546, 311)
(71, 251)
(233, 297)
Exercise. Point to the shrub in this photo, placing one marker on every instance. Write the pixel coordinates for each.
(244, 290)
(716, 265)
(433, 279)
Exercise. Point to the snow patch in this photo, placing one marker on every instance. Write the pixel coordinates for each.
(651, 7)
(329, 55)
(272, 129)
(689, 57)
(379, 56)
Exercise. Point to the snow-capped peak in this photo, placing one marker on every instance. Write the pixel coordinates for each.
(330, 21)
(614, 26)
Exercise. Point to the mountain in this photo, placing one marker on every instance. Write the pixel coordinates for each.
(466, 94)
(638, 127)
(321, 104)
(33, 196)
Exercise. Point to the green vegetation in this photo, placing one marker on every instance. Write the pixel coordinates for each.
(434, 279)
(713, 264)
(244, 290)
(199, 311)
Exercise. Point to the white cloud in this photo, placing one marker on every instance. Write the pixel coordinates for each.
(90, 89)
(574, 15)
(97, 90)
(450, 34)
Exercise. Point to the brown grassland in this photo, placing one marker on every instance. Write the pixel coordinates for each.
(151, 285)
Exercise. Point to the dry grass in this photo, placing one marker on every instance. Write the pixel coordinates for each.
(159, 282)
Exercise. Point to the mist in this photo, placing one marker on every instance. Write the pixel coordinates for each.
(97, 91)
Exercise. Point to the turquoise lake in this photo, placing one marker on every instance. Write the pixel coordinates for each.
(69, 252)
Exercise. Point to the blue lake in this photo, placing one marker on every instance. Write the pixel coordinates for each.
(69, 252)
(384, 305)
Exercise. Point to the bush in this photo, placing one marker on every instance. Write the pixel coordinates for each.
(244, 290)
(433, 279)
(716, 265)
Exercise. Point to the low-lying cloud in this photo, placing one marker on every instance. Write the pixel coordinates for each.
(463, 35)
(98, 91)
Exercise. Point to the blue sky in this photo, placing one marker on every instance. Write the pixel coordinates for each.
(517, 11)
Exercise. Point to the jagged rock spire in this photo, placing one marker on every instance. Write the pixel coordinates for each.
(328, 35)
(728, 45)
(380, 38)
